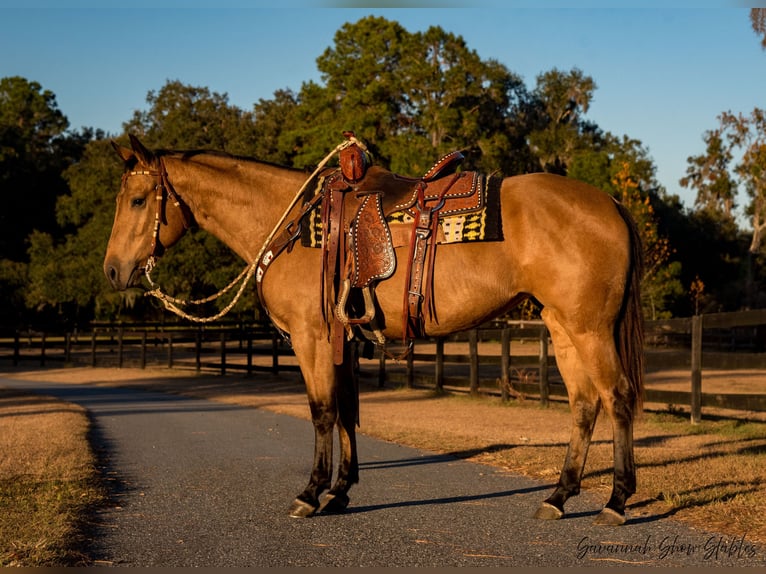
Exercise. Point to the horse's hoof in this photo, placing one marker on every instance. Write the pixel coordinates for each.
(334, 503)
(609, 517)
(548, 512)
(301, 509)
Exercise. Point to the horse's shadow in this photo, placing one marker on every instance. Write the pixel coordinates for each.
(433, 459)
(443, 500)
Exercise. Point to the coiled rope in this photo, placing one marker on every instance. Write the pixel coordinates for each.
(174, 304)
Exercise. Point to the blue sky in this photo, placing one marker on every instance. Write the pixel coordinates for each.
(664, 69)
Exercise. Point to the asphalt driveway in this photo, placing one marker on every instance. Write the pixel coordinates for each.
(199, 483)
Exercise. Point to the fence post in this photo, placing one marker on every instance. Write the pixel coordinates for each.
(411, 366)
(170, 350)
(382, 367)
(275, 352)
(223, 353)
(473, 351)
(93, 348)
(16, 348)
(505, 363)
(439, 365)
(249, 335)
(198, 349)
(143, 349)
(696, 359)
(544, 367)
(42, 349)
(120, 332)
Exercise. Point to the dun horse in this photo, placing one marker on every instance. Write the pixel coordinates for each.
(566, 244)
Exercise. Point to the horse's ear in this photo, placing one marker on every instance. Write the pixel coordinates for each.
(144, 155)
(125, 154)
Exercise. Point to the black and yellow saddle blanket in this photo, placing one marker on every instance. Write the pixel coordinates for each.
(470, 222)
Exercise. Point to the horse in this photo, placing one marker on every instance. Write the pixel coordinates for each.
(570, 247)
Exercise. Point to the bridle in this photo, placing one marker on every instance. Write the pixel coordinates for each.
(163, 190)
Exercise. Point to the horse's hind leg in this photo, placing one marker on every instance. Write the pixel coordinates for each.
(347, 395)
(599, 359)
(617, 399)
(585, 404)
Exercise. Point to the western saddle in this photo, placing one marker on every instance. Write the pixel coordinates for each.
(355, 200)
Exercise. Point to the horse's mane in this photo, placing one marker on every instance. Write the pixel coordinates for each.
(186, 155)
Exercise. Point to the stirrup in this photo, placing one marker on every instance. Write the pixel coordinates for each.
(369, 310)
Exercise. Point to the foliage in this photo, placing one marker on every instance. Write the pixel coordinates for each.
(411, 97)
(710, 175)
(34, 150)
(564, 97)
(660, 282)
(758, 20)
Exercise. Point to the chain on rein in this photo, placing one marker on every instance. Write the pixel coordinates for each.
(164, 188)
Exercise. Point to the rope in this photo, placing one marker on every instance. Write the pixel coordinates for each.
(172, 303)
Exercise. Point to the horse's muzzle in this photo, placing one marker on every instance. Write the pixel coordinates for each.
(120, 277)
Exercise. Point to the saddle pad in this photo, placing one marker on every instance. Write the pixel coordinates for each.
(481, 224)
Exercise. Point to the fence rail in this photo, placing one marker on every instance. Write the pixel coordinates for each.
(221, 346)
(687, 343)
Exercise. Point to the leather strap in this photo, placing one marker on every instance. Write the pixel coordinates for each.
(423, 237)
(284, 240)
(333, 259)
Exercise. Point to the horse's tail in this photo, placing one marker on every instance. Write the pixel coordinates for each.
(629, 331)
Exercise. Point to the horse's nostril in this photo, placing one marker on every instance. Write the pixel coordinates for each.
(112, 274)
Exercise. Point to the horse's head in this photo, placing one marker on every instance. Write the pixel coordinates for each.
(149, 216)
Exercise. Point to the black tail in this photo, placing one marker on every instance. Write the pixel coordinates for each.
(629, 331)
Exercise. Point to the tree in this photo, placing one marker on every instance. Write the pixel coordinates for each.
(411, 97)
(660, 283)
(735, 157)
(35, 148)
(563, 98)
(191, 117)
(31, 134)
(709, 174)
(67, 275)
(747, 135)
(758, 20)
(271, 119)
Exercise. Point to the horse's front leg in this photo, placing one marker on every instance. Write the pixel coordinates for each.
(333, 399)
(323, 417)
(314, 356)
(347, 394)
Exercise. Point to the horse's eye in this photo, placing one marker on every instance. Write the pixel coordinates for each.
(137, 202)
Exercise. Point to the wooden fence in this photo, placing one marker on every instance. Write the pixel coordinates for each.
(223, 347)
(726, 340)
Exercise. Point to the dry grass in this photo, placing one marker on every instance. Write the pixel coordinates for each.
(710, 475)
(47, 481)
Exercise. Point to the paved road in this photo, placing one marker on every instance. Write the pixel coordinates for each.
(197, 483)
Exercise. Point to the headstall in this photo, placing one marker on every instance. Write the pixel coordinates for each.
(162, 189)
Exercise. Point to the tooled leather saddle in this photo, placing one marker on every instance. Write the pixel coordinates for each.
(355, 202)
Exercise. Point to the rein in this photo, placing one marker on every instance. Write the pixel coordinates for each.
(164, 187)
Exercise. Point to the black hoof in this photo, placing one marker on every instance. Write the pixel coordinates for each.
(548, 512)
(334, 503)
(302, 509)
